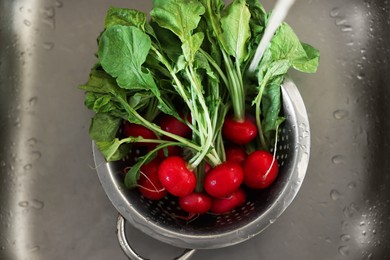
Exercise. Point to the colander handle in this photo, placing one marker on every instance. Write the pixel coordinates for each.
(129, 251)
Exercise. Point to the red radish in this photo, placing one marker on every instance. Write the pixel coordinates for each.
(260, 169)
(224, 205)
(235, 153)
(172, 151)
(172, 125)
(239, 132)
(175, 176)
(148, 183)
(223, 179)
(134, 130)
(195, 203)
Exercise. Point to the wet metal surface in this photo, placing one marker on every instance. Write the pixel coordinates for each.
(53, 207)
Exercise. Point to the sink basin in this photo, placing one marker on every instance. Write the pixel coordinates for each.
(52, 205)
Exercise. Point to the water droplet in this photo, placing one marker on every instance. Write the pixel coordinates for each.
(352, 185)
(49, 12)
(33, 101)
(17, 122)
(345, 237)
(346, 28)
(32, 141)
(27, 22)
(36, 154)
(340, 114)
(328, 240)
(341, 21)
(49, 17)
(361, 76)
(34, 249)
(27, 167)
(37, 204)
(364, 232)
(349, 211)
(59, 4)
(369, 257)
(334, 12)
(344, 250)
(335, 195)
(48, 46)
(23, 204)
(344, 225)
(338, 159)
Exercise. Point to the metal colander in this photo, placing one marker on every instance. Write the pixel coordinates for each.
(262, 208)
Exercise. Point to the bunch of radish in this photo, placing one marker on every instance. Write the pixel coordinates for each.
(174, 94)
(220, 189)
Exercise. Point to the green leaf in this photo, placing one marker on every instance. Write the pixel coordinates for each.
(182, 18)
(192, 45)
(213, 9)
(133, 174)
(113, 150)
(124, 16)
(169, 42)
(101, 82)
(104, 127)
(128, 17)
(286, 45)
(271, 106)
(308, 64)
(236, 30)
(257, 24)
(122, 51)
(103, 104)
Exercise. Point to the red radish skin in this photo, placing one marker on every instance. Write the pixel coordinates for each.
(235, 153)
(260, 169)
(172, 151)
(172, 125)
(225, 205)
(223, 179)
(175, 176)
(134, 130)
(239, 132)
(195, 203)
(148, 184)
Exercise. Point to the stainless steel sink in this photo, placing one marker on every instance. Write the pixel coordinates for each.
(53, 207)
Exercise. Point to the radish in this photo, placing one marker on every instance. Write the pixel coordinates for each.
(235, 153)
(175, 176)
(260, 169)
(239, 132)
(224, 205)
(172, 125)
(134, 130)
(195, 203)
(171, 151)
(223, 179)
(148, 183)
